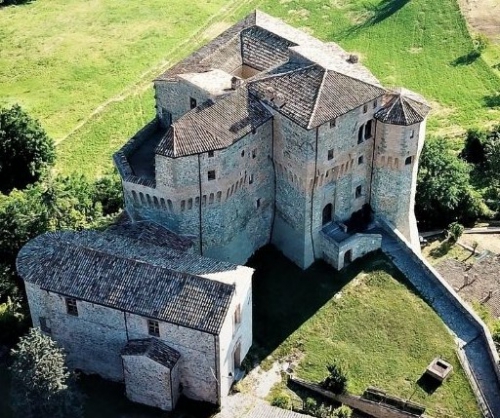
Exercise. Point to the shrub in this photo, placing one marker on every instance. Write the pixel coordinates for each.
(282, 400)
(12, 321)
(481, 42)
(455, 231)
(336, 381)
(342, 412)
(310, 405)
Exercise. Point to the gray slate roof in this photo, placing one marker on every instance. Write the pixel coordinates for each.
(150, 231)
(153, 349)
(128, 275)
(313, 95)
(403, 107)
(213, 126)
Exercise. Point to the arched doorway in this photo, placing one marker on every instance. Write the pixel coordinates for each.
(327, 214)
(347, 257)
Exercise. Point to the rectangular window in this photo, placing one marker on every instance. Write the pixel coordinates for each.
(365, 108)
(250, 179)
(368, 129)
(360, 160)
(412, 133)
(210, 154)
(71, 307)
(257, 203)
(254, 153)
(375, 103)
(192, 103)
(359, 191)
(211, 175)
(408, 160)
(153, 328)
(330, 154)
(333, 122)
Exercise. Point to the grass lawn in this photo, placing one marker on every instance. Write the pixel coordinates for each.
(63, 59)
(377, 328)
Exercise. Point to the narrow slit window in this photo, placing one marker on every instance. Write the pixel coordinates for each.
(254, 153)
(365, 108)
(330, 154)
(250, 179)
(257, 203)
(153, 328)
(359, 191)
(412, 133)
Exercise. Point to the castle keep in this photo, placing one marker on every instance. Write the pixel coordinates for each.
(268, 135)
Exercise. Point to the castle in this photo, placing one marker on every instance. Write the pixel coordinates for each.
(268, 135)
(264, 135)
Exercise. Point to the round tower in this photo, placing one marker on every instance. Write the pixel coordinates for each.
(399, 138)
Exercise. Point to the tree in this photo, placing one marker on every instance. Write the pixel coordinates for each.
(25, 149)
(42, 387)
(444, 193)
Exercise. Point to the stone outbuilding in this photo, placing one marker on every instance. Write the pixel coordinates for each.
(161, 320)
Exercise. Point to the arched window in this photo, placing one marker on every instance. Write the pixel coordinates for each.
(327, 214)
(156, 203)
(211, 199)
(190, 203)
(162, 203)
(141, 196)
(219, 197)
(149, 199)
(134, 196)
(360, 134)
(170, 206)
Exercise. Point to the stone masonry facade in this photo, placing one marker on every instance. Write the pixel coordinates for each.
(268, 135)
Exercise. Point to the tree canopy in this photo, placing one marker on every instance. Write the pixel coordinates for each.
(42, 387)
(25, 149)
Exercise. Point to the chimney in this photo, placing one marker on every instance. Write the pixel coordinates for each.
(353, 59)
(235, 83)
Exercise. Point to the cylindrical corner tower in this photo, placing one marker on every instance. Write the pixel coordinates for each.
(399, 138)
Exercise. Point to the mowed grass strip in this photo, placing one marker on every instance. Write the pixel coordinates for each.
(367, 318)
(61, 59)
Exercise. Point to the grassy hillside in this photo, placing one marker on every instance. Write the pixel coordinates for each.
(62, 59)
(367, 318)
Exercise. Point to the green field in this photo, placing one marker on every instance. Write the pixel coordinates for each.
(367, 318)
(84, 68)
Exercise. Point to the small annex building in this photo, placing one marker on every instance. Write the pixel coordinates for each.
(134, 305)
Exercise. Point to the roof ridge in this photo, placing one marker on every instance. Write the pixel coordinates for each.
(267, 76)
(356, 79)
(403, 107)
(316, 101)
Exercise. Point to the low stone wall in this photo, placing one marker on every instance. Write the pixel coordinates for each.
(372, 408)
(450, 292)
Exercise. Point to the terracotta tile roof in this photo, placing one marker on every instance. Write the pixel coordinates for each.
(262, 49)
(311, 95)
(150, 231)
(128, 275)
(153, 349)
(403, 107)
(213, 126)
